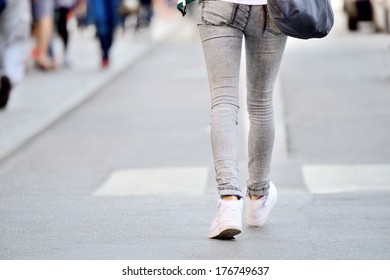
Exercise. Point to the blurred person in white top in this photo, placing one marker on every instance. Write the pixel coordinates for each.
(15, 26)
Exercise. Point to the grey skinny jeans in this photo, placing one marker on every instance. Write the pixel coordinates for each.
(222, 26)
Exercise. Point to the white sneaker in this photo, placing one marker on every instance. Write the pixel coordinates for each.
(228, 221)
(257, 211)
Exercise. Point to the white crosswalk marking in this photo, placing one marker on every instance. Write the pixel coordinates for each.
(346, 178)
(155, 181)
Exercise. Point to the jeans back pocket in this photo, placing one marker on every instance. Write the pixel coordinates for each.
(214, 12)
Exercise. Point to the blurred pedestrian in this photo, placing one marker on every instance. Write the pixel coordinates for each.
(15, 21)
(43, 17)
(105, 16)
(63, 11)
(222, 26)
(81, 13)
(145, 14)
(2, 5)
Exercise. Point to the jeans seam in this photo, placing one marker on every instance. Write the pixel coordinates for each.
(234, 13)
(247, 18)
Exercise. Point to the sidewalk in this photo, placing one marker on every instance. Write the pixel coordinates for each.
(44, 98)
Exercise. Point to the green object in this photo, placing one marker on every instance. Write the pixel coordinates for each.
(182, 6)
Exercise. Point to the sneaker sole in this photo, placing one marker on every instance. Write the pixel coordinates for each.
(227, 234)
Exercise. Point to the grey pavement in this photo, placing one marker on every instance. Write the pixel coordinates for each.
(128, 174)
(43, 98)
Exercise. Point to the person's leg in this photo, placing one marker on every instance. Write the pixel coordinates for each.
(222, 50)
(61, 24)
(16, 36)
(62, 30)
(221, 26)
(112, 12)
(264, 50)
(5, 85)
(103, 27)
(14, 42)
(44, 10)
(2, 42)
(15, 60)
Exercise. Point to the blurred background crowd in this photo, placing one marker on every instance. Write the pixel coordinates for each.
(44, 21)
(375, 11)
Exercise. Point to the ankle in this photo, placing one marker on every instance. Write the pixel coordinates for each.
(231, 197)
(255, 197)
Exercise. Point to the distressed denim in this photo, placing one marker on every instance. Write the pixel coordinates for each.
(222, 27)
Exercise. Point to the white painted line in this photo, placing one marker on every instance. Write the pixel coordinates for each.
(346, 178)
(155, 181)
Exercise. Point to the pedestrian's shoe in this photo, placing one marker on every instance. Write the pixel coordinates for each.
(228, 221)
(105, 63)
(45, 64)
(5, 89)
(257, 211)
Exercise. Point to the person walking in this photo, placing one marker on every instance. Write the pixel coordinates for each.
(145, 14)
(43, 18)
(15, 20)
(63, 10)
(222, 25)
(105, 15)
